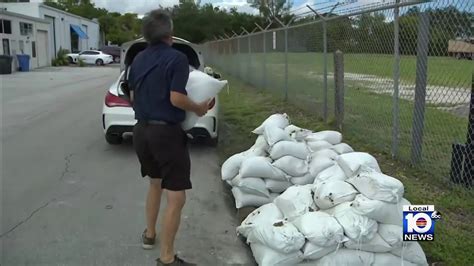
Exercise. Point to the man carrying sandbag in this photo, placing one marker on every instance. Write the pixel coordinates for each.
(158, 78)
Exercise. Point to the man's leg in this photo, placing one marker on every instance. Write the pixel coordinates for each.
(152, 208)
(172, 219)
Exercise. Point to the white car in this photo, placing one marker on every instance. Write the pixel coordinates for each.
(118, 116)
(91, 57)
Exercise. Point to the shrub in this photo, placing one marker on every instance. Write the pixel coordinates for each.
(81, 63)
(61, 58)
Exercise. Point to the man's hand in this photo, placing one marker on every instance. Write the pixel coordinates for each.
(183, 102)
(202, 108)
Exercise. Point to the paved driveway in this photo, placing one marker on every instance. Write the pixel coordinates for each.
(68, 198)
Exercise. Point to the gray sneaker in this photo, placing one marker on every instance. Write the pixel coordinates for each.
(147, 243)
(177, 262)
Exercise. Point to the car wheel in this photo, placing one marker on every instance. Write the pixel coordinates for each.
(117, 59)
(113, 138)
(213, 142)
(70, 60)
(99, 62)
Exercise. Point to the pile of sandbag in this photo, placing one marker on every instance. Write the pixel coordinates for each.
(346, 212)
(352, 222)
(283, 155)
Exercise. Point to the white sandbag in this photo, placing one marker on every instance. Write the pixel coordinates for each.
(281, 236)
(412, 252)
(332, 137)
(273, 196)
(265, 256)
(381, 211)
(200, 87)
(318, 145)
(277, 186)
(357, 227)
(264, 215)
(377, 186)
(230, 168)
(252, 152)
(274, 135)
(342, 148)
(229, 182)
(251, 185)
(300, 135)
(260, 167)
(392, 234)
(328, 153)
(243, 199)
(331, 193)
(292, 165)
(320, 163)
(297, 133)
(295, 201)
(303, 180)
(277, 120)
(289, 148)
(260, 143)
(332, 173)
(388, 259)
(347, 257)
(351, 162)
(376, 244)
(320, 228)
(312, 251)
(292, 128)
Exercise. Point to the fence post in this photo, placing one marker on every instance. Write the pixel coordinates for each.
(286, 63)
(325, 74)
(238, 58)
(339, 88)
(264, 78)
(420, 87)
(396, 82)
(249, 67)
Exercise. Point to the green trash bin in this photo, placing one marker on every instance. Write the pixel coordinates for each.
(5, 64)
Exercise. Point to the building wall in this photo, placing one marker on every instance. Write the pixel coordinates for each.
(28, 9)
(60, 26)
(63, 22)
(16, 40)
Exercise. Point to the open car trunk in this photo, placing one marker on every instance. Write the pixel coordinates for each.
(131, 50)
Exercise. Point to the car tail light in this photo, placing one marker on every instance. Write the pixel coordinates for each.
(115, 101)
(212, 103)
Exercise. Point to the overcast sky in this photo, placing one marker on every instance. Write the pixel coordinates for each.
(143, 6)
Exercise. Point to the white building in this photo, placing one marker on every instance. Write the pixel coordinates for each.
(22, 34)
(66, 31)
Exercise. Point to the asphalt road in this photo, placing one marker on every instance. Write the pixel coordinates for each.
(68, 198)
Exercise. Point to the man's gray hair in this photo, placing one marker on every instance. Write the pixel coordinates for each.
(157, 25)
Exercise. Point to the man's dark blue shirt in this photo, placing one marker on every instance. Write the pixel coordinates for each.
(152, 92)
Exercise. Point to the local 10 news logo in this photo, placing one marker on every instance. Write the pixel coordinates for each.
(419, 222)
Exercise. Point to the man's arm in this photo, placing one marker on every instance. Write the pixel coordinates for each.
(178, 93)
(182, 101)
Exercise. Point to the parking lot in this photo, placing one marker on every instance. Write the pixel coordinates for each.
(69, 198)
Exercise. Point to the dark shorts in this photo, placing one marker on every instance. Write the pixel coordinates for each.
(163, 153)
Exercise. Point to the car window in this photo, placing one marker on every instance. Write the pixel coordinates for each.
(95, 53)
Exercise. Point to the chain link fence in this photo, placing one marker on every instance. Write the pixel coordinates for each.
(408, 77)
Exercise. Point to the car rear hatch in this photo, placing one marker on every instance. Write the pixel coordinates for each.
(131, 49)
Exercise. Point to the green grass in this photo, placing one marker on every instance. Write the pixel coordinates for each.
(368, 115)
(244, 107)
(442, 71)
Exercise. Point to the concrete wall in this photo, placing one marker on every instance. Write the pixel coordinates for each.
(60, 26)
(16, 40)
(63, 22)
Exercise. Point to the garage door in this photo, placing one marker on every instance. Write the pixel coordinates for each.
(42, 44)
